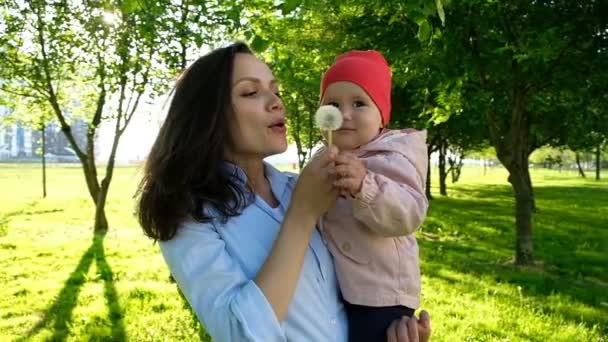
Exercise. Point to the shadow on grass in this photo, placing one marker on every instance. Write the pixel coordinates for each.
(5, 218)
(26, 210)
(60, 312)
(473, 233)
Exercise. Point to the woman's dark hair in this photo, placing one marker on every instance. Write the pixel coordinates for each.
(185, 171)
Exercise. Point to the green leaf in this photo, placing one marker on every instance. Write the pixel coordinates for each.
(248, 34)
(439, 116)
(424, 31)
(130, 6)
(520, 57)
(441, 12)
(429, 8)
(259, 44)
(289, 6)
(416, 16)
(198, 40)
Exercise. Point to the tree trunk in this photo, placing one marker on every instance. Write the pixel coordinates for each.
(456, 163)
(581, 172)
(511, 143)
(301, 155)
(101, 222)
(43, 161)
(598, 165)
(519, 177)
(96, 193)
(443, 175)
(301, 152)
(182, 57)
(427, 189)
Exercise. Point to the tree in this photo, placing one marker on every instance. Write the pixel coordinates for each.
(109, 51)
(521, 53)
(188, 25)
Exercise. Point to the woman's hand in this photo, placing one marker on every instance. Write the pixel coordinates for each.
(314, 191)
(410, 329)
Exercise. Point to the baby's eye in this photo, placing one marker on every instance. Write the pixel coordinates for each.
(358, 104)
(335, 104)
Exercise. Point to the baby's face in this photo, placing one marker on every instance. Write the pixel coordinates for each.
(361, 118)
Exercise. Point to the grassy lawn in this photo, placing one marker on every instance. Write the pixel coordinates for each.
(61, 283)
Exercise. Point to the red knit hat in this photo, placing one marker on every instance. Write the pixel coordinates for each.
(367, 69)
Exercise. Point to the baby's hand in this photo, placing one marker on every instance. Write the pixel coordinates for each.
(350, 171)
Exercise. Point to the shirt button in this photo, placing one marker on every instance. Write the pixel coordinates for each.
(333, 321)
(346, 247)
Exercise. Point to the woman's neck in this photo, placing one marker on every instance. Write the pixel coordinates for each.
(255, 172)
(257, 181)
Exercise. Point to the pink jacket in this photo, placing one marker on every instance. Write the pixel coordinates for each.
(372, 236)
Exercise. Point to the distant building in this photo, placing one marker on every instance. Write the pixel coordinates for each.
(20, 142)
(15, 142)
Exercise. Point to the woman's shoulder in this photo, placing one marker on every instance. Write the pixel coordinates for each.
(190, 228)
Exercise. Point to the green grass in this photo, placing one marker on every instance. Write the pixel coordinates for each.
(59, 282)
(470, 284)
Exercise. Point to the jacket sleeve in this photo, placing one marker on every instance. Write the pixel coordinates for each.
(392, 201)
(229, 305)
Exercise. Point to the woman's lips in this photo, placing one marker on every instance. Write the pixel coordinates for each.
(279, 128)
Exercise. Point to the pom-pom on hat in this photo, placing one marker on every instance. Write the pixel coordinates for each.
(367, 69)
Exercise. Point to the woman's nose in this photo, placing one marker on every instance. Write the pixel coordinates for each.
(275, 102)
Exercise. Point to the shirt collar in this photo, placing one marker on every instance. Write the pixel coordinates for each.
(278, 180)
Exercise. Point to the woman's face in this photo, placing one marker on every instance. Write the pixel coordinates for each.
(257, 122)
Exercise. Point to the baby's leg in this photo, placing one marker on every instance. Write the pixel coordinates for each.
(369, 324)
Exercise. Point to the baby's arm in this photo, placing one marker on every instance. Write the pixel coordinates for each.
(392, 200)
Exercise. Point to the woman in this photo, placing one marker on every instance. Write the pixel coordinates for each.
(238, 235)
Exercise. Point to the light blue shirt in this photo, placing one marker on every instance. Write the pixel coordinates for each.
(215, 264)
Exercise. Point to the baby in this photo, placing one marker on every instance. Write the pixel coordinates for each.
(382, 172)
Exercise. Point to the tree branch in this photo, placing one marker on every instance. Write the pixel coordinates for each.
(14, 92)
(22, 76)
(65, 127)
(145, 79)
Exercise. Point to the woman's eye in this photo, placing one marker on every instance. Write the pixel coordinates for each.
(278, 94)
(250, 93)
(358, 104)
